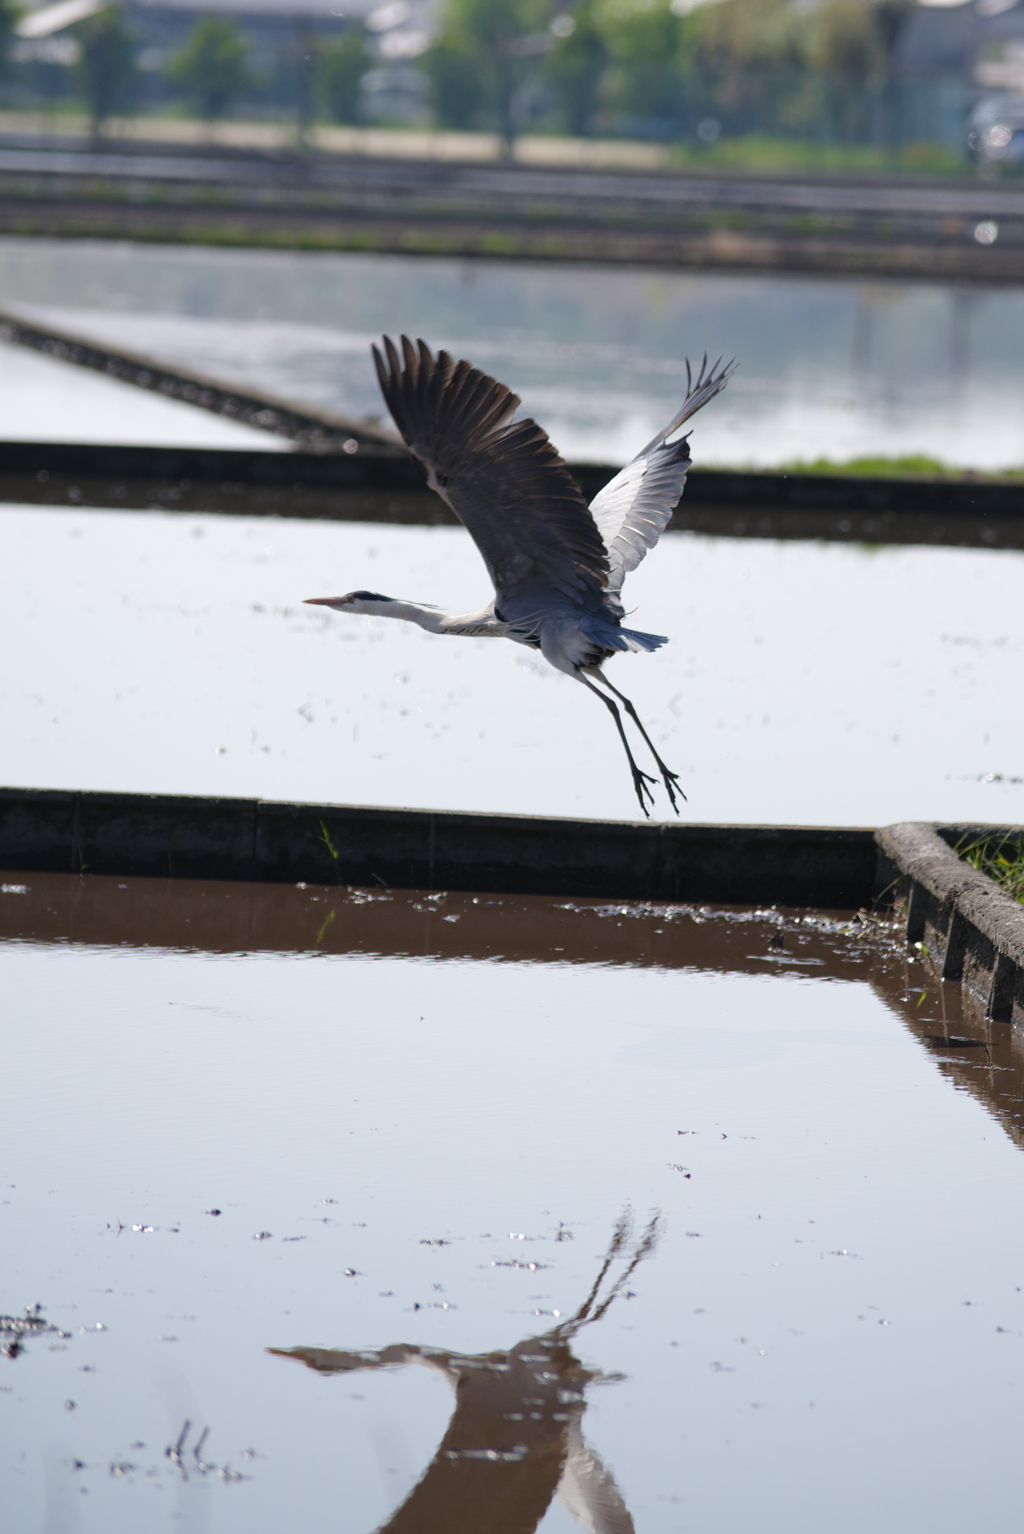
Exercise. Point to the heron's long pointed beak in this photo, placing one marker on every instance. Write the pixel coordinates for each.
(322, 601)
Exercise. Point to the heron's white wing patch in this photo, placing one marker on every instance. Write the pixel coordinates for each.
(633, 510)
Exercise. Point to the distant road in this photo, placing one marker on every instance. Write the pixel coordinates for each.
(585, 190)
(809, 223)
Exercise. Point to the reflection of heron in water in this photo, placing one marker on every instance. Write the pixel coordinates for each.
(514, 1439)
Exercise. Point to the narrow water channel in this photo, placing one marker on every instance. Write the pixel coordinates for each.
(707, 1216)
(803, 683)
(838, 368)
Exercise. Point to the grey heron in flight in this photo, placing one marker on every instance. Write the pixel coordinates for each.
(557, 565)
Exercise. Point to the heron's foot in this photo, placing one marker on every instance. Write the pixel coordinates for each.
(671, 782)
(641, 782)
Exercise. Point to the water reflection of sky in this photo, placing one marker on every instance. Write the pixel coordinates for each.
(827, 367)
(428, 1155)
(803, 682)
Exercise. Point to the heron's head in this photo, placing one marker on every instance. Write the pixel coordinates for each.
(354, 602)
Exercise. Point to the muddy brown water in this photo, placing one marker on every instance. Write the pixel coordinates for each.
(354, 1209)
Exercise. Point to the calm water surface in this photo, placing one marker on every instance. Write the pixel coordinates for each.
(422, 1120)
(827, 367)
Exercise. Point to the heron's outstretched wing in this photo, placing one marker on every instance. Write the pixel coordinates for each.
(504, 480)
(632, 511)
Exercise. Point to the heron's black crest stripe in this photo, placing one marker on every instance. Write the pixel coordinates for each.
(502, 478)
(369, 596)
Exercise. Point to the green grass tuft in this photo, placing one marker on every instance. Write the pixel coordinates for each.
(1002, 862)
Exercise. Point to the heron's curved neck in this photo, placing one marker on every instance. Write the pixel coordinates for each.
(426, 617)
(474, 625)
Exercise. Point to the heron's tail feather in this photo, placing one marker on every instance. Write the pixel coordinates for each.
(632, 639)
(609, 636)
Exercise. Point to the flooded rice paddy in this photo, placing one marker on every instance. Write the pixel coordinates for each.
(804, 682)
(708, 1217)
(827, 367)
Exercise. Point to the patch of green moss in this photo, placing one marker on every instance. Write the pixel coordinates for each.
(907, 466)
(767, 153)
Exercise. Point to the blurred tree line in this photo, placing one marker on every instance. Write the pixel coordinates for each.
(672, 69)
(668, 68)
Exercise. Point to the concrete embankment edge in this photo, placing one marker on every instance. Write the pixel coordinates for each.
(247, 839)
(972, 930)
(387, 486)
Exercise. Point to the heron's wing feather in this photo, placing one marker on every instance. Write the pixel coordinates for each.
(633, 509)
(501, 477)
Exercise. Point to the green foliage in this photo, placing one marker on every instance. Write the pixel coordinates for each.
(910, 465)
(106, 66)
(340, 66)
(8, 16)
(649, 56)
(879, 467)
(755, 66)
(458, 94)
(828, 66)
(773, 153)
(576, 65)
(485, 50)
(749, 56)
(1001, 861)
(212, 66)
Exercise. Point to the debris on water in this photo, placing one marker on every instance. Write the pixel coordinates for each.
(211, 1211)
(262, 1235)
(14, 1329)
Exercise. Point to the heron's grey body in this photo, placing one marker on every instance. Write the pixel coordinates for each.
(557, 565)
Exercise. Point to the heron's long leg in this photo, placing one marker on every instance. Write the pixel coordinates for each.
(669, 778)
(640, 779)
